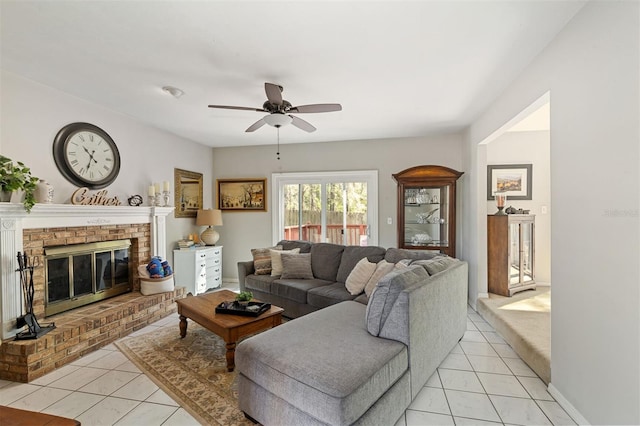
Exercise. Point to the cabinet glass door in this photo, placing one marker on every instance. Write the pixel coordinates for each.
(425, 213)
(514, 253)
(527, 252)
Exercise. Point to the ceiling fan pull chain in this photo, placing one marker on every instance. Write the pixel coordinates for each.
(278, 153)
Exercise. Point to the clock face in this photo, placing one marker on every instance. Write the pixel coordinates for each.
(86, 155)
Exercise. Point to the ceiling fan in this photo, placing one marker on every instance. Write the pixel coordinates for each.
(279, 110)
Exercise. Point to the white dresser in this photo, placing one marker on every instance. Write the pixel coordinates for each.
(198, 269)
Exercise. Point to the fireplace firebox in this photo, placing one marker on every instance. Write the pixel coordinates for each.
(80, 274)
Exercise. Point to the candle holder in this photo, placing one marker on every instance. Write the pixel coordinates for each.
(159, 199)
(152, 200)
(165, 195)
(501, 200)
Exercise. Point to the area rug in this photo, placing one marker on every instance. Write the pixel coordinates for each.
(193, 371)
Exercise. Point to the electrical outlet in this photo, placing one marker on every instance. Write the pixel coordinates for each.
(543, 209)
(389, 221)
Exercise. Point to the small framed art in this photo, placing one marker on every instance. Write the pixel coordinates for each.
(514, 179)
(242, 194)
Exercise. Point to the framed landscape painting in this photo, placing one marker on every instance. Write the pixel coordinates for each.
(242, 194)
(514, 179)
(188, 197)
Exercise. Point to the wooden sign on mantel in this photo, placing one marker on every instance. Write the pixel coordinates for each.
(82, 197)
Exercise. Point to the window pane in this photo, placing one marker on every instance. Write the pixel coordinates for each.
(311, 212)
(335, 213)
(357, 214)
(291, 212)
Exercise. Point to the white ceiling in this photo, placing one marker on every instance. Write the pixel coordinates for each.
(399, 69)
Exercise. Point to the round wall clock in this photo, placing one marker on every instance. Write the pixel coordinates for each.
(86, 155)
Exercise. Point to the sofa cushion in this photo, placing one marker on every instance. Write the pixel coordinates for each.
(295, 289)
(386, 292)
(327, 295)
(319, 374)
(259, 282)
(304, 246)
(296, 265)
(394, 255)
(437, 264)
(276, 260)
(325, 260)
(359, 276)
(262, 259)
(353, 254)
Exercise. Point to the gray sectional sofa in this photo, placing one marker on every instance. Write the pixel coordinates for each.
(356, 361)
(331, 265)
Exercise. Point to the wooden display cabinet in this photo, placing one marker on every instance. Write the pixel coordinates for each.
(427, 208)
(510, 253)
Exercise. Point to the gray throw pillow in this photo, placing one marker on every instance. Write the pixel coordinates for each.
(296, 266)
(386, 293)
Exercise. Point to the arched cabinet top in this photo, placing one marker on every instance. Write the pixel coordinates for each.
(427, 172)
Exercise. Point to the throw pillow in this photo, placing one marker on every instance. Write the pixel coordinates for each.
(296, 265)
(383, 300)
(262, 259)
(382, 268)
(276, 260)
(359, 276)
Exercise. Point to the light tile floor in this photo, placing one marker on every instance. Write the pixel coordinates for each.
(481, 382)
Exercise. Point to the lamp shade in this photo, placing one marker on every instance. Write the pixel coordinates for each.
(209, 217)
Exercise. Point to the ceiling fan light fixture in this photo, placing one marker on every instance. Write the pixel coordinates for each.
(277, 119)
(173, 91)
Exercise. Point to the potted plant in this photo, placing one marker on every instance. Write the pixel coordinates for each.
(15, 176)
(244, 297)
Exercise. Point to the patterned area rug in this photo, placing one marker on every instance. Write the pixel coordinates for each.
(193, 371)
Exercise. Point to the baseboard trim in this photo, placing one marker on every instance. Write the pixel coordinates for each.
(567, 406)
(474, 302)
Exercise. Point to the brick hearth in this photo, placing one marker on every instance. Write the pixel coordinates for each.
(81, 331)
(86, 329)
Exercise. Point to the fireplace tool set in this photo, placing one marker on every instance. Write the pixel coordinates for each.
(35, 330)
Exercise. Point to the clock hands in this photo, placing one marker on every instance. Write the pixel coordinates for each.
(90, 157)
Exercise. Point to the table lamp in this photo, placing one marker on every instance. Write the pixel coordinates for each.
(209, 218)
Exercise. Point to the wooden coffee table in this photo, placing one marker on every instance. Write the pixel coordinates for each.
(202, 309)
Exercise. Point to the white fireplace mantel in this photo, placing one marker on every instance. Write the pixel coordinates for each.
(14, 219)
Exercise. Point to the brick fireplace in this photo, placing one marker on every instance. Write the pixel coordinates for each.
(82, 330)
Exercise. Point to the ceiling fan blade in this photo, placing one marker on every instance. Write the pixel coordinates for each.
(301, 124)
(255, 126)
(316, 108)
(274, 93)
(236, 107)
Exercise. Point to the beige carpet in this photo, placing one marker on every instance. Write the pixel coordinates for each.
(523, 320)
(193, 371)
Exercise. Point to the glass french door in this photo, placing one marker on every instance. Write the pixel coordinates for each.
(334, 208)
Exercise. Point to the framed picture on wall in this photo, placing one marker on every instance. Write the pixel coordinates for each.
(514, 179)
(188, 197)
(242, 194)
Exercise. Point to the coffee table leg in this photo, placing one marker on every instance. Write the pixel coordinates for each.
(183, 326)
(231, 352)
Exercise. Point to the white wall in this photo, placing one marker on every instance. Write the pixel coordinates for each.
(591, 70)
(243, 231)
(32, 114)
(529, 148)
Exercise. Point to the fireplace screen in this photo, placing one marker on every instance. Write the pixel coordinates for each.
(80, 274)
